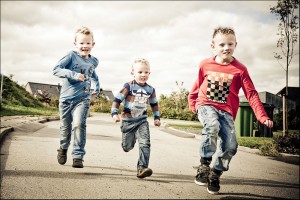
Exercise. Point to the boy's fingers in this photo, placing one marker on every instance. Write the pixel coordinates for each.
(269, 123)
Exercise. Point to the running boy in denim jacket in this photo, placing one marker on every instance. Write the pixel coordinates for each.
(214, 97)
(77, 69)
(137, 94)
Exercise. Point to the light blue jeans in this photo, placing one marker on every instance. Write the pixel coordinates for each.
(217, 123)
(137, 130)
(73, 123)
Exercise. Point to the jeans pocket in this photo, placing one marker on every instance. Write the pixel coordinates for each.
(202, 110)
(124, 127)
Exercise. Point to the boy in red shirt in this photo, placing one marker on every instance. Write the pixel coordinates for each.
(214, 97)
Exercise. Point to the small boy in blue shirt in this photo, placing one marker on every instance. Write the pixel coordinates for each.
(77, 69)
(137, 94)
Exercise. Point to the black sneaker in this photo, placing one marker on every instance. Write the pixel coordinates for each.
(202, 174)
(144, 172)
(213, 186)
(62, 156)
(77, 163)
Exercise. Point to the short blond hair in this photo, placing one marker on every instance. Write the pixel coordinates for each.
(223, 30)
(85, 31)
(140, 60)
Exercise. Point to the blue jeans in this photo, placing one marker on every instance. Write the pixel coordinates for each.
(73, 122)
(132, 130)
(217, 123)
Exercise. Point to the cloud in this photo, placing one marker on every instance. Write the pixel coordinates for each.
(173, 36)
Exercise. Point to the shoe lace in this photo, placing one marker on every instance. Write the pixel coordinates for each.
(140, 170)
(214, 180)
(78, 161)
(202, 170)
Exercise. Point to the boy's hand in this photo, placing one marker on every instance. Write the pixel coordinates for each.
(268, 123)
(156, 122)
(93, 93)
(81, 77)
(116, 118)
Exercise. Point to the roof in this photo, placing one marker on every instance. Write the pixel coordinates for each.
(293, 92)
(109, 94)
(52, 90)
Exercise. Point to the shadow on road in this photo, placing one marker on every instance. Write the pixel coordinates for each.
(287, 159)
(247, 196)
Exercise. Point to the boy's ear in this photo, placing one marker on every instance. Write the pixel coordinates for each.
(212, 45)
(131, 72)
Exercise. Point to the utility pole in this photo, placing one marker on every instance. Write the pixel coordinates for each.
(2, 77)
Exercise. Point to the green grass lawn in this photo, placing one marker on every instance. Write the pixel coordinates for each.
(10, 110)
(264, 144)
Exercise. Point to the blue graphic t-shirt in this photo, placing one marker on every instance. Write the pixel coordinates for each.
(136, 100)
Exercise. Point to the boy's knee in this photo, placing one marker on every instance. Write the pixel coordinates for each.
(232, 150)
(145, 144)
(213, 126)
(79, 123)
(127, 148)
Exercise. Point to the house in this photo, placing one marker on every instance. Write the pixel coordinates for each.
(37, 89)
(50, 90)
(108, 94)
(293, 94)
(276, 100)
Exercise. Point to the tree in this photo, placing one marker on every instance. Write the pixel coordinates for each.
(175, 106)
(286, 11)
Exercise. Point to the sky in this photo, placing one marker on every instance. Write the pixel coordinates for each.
(173, 35)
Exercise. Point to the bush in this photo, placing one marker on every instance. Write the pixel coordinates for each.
(268, 149)
(176, 106)
(54, 102)
(293, 120)
(101, 104)
(288, 143)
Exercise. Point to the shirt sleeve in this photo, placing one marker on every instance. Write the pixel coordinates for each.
(253, 97)
(154, 105)
(61, 71)
(118, 99)
(193, 94)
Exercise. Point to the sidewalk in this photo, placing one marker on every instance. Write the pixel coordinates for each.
(9, 123)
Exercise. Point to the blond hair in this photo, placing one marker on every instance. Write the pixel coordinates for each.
(139, 60)
(85, 31)
(223, 30)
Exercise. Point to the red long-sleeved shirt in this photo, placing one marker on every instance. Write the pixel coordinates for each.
(218, 85)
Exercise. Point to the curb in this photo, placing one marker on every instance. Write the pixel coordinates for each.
(179, 133)
(4, 132)
(284, 157)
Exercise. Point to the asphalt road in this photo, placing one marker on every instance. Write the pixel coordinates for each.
(29, 169)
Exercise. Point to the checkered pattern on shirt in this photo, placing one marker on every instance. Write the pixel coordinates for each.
(218, 86)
